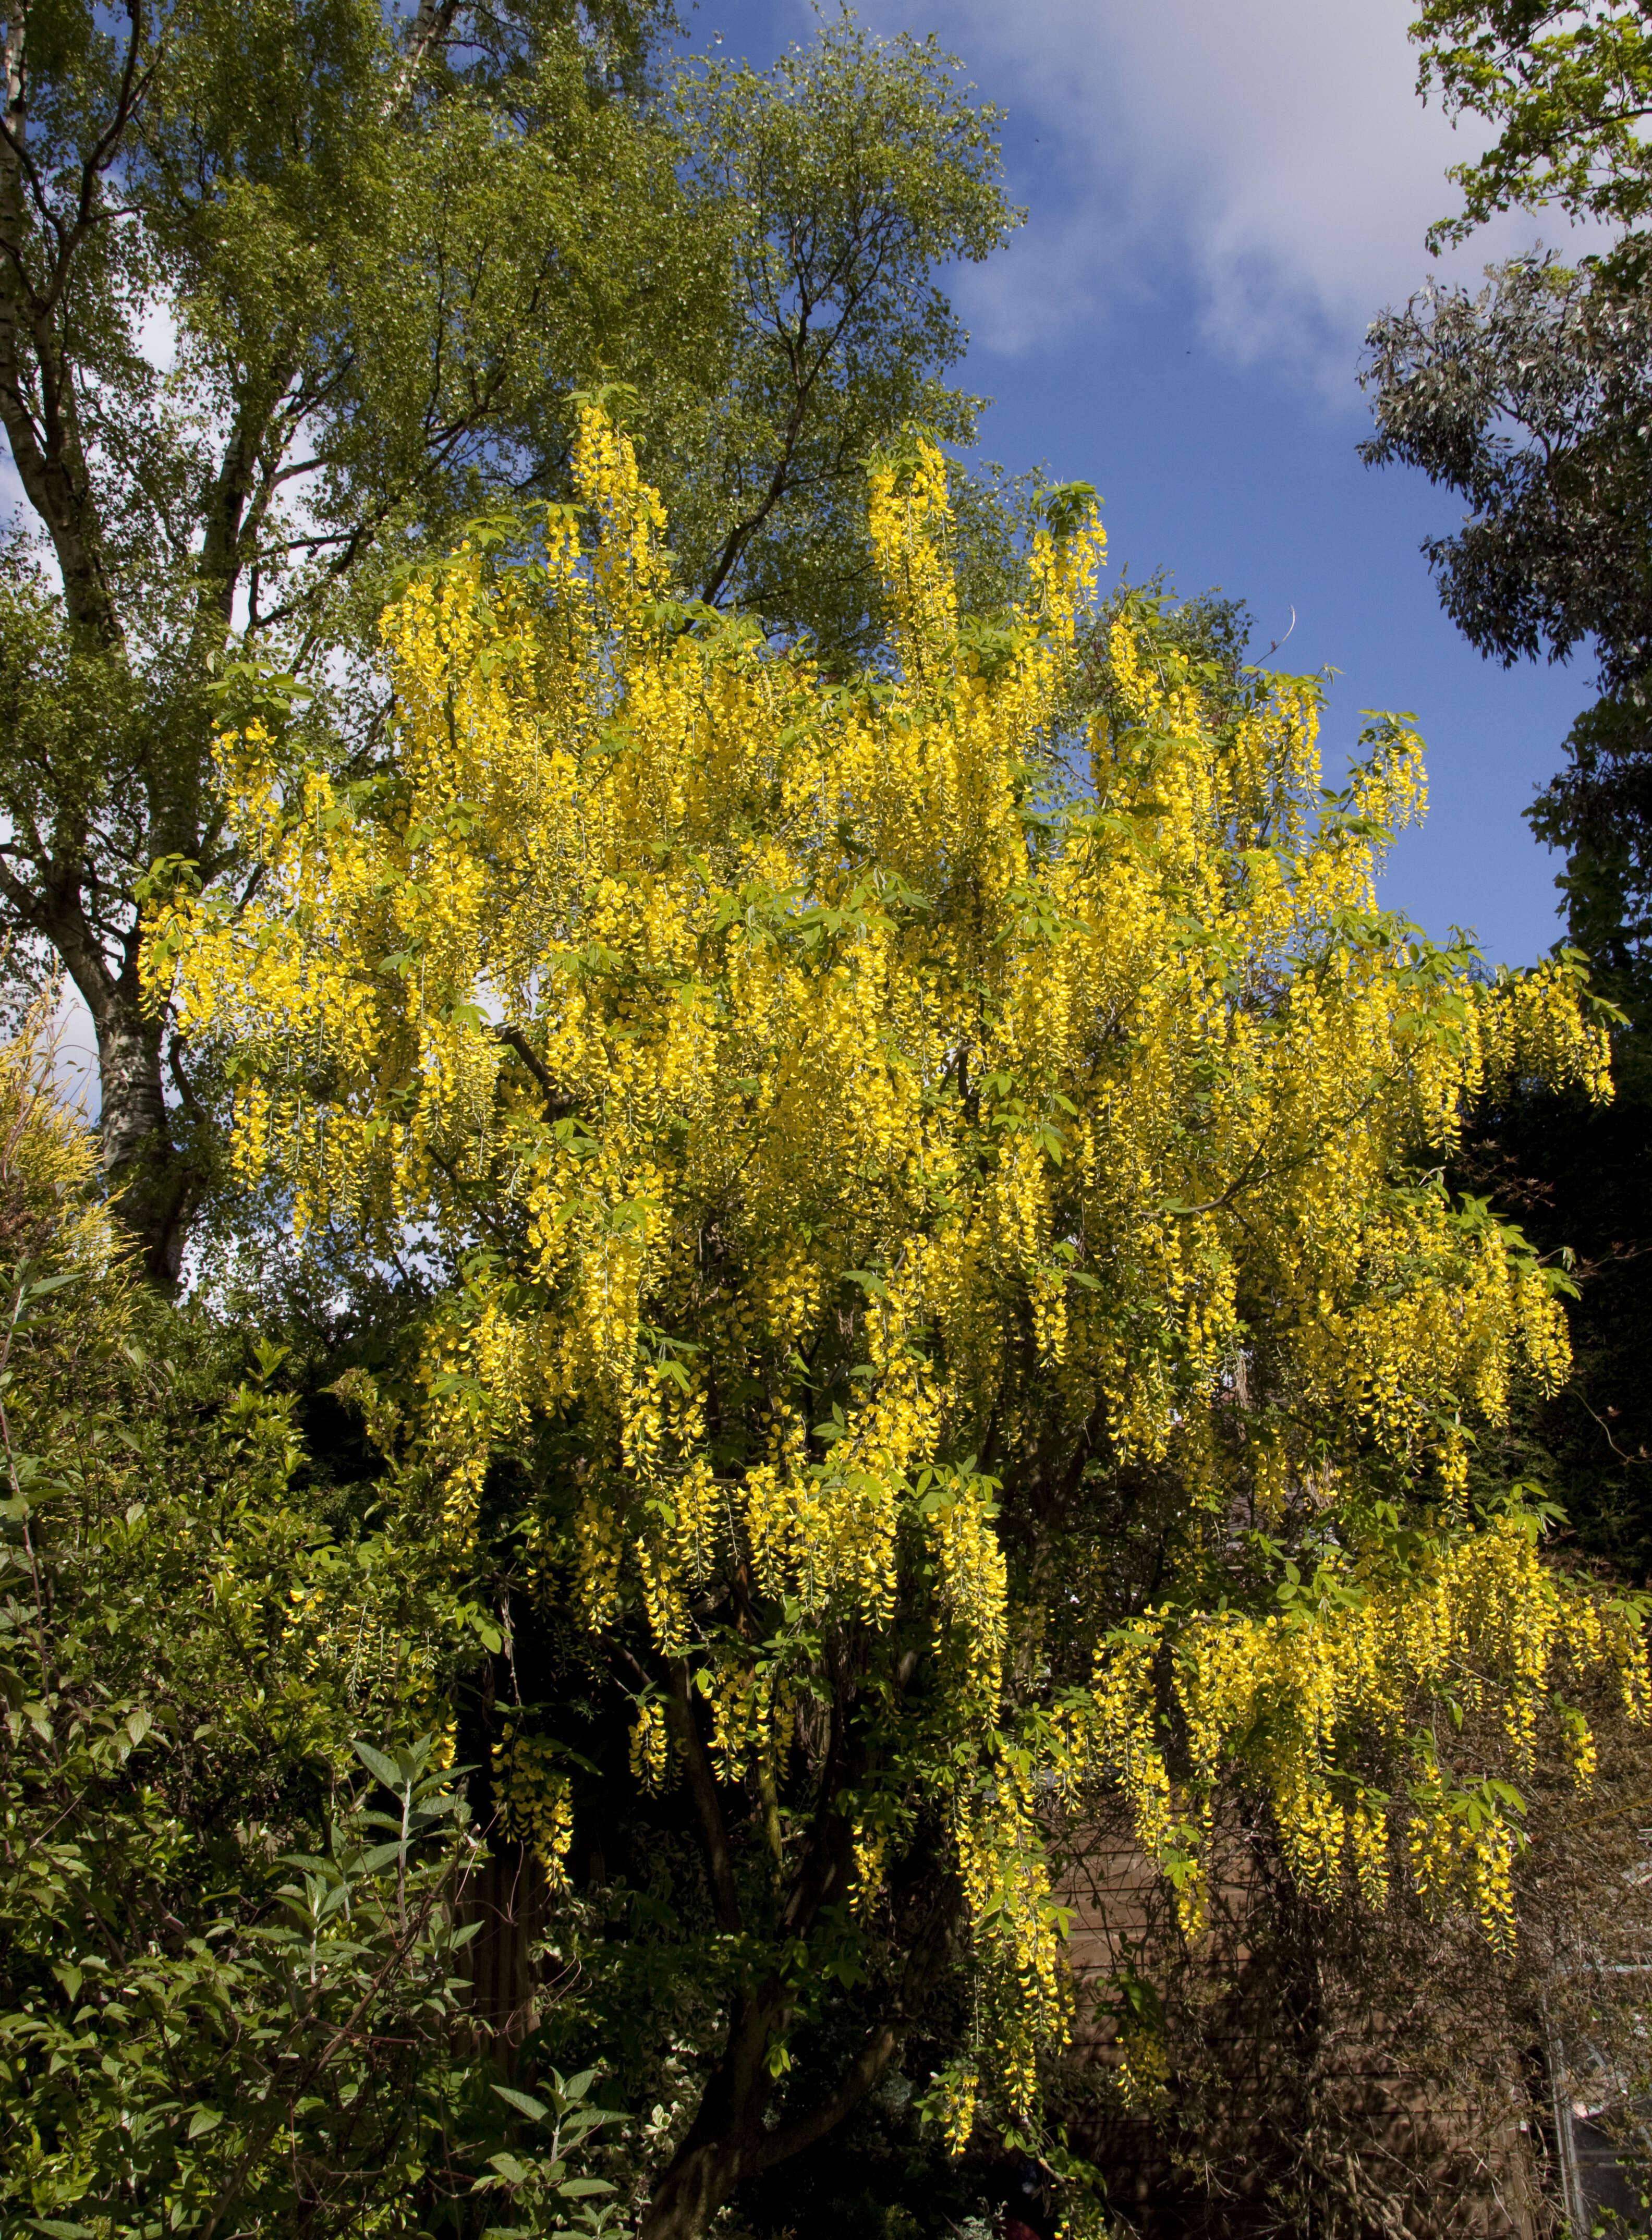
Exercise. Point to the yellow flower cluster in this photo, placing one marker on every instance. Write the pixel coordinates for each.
(753, 1714)
(828, 1087)
(1464, 1847)
(1143, 2076)
(870, 1846)
(1005, 1872)
(533, 1799)
(972, 1584)
(956, 2091)
(1294, 1702)
(650, 1744)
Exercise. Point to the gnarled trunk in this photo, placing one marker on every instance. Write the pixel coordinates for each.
(693, 2190)
(726, 2135)
(730, 2137)
(733, 2135)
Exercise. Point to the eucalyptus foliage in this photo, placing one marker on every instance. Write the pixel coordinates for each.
(1530, 399)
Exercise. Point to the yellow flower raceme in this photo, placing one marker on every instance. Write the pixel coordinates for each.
(533, 1799)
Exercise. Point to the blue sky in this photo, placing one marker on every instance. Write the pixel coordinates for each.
(1220, 198)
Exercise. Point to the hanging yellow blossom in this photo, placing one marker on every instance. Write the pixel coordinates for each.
(533, 1799)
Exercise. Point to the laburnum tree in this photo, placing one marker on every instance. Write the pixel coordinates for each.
(943, 1303)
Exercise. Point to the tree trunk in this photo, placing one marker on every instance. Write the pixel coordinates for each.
(507, 1896)
(726, 2133)
(730, 2139)
(692, 2192)
(154, 1182)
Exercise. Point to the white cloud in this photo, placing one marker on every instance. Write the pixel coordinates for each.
(1274, 153)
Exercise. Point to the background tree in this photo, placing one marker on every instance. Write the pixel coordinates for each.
(866, 172)
(944, 1300)
(1531, 400)
(373, 243)
(384, 251)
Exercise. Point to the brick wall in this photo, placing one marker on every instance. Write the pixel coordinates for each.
(1310, 2082)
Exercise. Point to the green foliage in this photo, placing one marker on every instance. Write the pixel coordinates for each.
(1530, 400)
(1210, 633)
(537, 2178)
(1581, 1183)
(1569, 88)
(382, 250)
(1598, 812)
(233, 1907)
(263, 2059)
(859, 170)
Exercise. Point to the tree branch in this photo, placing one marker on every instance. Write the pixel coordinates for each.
(789, 2139)
(877, 2050)
(557, 1107)
(703, 1788)
(431, 28)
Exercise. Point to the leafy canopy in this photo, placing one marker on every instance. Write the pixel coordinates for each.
(1529, 399)
(857, 170)
(944, 1273)
(1570, 87)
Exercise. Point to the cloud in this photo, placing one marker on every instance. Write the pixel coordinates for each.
(1275, 156)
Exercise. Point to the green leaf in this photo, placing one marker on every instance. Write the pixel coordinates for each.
(44, 1284)
(484, 1628)
(524, 2103)
(383, 1768)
